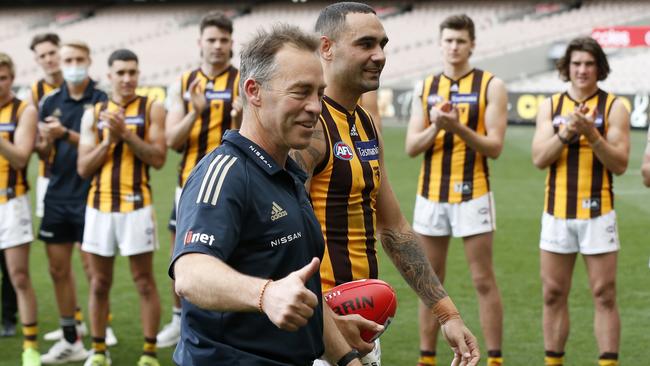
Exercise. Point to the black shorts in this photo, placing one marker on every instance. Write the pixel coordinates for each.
(171, 225)
(62, 222)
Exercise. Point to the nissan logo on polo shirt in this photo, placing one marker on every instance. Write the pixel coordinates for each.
(286, 239)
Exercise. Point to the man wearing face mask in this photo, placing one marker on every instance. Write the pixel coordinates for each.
(64, 204)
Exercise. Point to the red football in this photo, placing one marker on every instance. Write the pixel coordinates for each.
(372, 299)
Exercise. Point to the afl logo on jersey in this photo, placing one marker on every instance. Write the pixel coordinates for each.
(343, 151)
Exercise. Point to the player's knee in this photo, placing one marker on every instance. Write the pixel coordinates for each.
(20, 279)
(145, 284)
(484, 284)
(59, 272)
(605, 296)
(100, 286)
(554, 295)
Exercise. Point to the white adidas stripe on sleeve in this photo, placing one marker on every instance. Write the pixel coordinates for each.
(217, 171)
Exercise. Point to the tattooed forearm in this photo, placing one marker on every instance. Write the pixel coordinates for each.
(410, 260)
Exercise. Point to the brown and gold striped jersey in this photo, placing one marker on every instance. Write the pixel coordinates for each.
(207, 131)
(578, 186)
(122, 183)
(452, 171)
(13, 182)
(40, 89)
(344, 191)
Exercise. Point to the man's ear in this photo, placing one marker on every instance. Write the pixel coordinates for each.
(326, 48)
(253, 92)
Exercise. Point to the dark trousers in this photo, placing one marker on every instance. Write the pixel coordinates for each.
(9, 302)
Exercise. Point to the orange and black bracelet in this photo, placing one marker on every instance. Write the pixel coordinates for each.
(259, 300)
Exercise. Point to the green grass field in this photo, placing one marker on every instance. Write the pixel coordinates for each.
(518, 188)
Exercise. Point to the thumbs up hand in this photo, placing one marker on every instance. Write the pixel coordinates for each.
(287, 302)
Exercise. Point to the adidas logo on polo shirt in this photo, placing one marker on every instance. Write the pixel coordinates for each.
(277, 212)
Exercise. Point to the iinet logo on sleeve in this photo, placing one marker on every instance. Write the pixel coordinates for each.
(192, 237)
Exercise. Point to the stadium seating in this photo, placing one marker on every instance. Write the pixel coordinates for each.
(164, 35)
(416, 51)
(626, 68)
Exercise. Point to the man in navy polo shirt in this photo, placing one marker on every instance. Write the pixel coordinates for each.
(65, 200)
(248, 247)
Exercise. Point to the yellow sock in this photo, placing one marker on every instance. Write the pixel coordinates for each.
(495, 358)
(553, 361)
(149, 347)
(427, 358)
(607, 362)
(99, 345)
(610, 359)
(78, 315)
(30, 332)
(495, 361)
(109, 319)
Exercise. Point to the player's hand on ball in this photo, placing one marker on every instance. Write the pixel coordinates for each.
(287, 302)
(351, 327)
(462, 342)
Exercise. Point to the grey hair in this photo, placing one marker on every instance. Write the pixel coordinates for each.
(258, 55)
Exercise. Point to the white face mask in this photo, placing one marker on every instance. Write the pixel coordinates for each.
(75, 74)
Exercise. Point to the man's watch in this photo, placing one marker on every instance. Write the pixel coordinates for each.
(348, 357)
(66, 135)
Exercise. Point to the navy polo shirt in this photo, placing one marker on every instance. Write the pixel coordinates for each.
(240, 206)
(65, 184)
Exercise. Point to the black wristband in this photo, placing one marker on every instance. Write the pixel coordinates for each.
(66, 135)
(348, 357)
(563, 140)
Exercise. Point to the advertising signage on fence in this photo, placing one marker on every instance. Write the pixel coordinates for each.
(622, 37)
